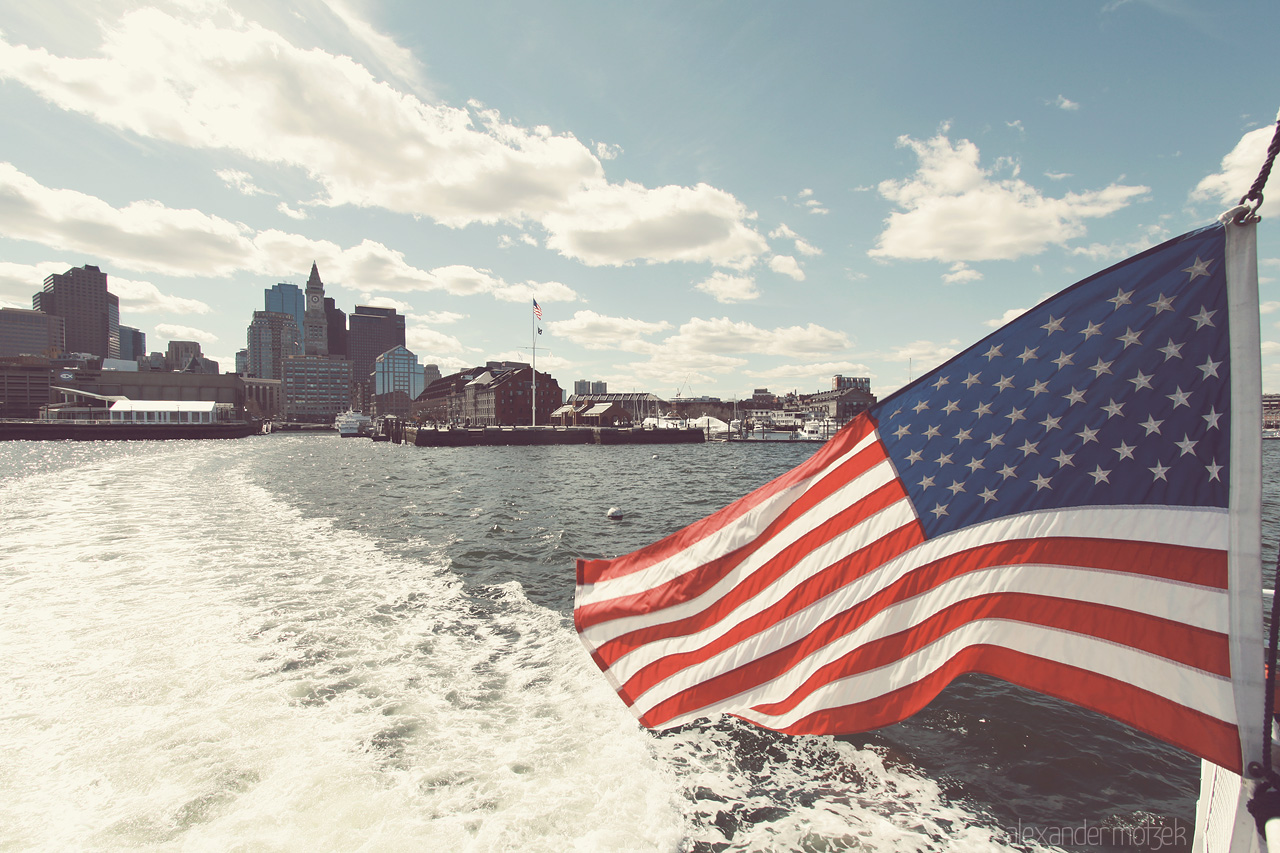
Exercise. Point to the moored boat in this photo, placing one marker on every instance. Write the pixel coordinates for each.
(351, 423)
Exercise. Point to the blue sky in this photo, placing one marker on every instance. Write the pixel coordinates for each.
(705, 198)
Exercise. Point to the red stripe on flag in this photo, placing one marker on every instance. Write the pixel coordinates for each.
(1198, 733)
(1195, 647)
(594, 571)
(691, 584)
(1169, 562)
(812, 589)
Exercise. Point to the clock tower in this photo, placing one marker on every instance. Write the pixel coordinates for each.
(315, 325)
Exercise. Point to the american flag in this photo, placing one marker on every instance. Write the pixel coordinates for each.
(537, 309)
(1053, 507)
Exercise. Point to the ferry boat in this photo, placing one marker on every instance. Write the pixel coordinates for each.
(350, 424)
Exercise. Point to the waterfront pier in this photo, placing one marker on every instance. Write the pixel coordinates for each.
(539, 436)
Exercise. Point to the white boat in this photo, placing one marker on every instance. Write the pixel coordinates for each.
(351, 423)
(819, 429)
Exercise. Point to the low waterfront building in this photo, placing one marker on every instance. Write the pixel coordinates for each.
(169, 412)
(264, 398)
(224, 388)
(638, 405)
(591, 414)
(24, 386)
(840, 404)
(498, 394)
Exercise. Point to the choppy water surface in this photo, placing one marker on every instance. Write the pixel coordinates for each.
(305, 643)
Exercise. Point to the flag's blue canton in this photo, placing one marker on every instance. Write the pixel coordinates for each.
(1116, 391)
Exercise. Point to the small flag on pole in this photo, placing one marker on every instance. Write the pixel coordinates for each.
(1071, 505)
(537, 309)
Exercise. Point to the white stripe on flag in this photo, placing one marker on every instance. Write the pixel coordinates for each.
(1208, 694)
(741, 531)
(1165, 525)
(1200, 607)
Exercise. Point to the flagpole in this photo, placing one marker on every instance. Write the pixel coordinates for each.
(533, 377)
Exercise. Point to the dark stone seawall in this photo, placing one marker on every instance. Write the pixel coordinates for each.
(539, 436)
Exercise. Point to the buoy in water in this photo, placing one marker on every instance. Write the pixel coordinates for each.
(614, 513)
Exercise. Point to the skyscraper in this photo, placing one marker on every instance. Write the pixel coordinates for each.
(91, 314)
(397, 369)
(133, 343)
(285, 298)
(179, 354)
(315, 324)
(273, 336)
(315, 387)
(372, 332)
(337, 320)
(24, 332)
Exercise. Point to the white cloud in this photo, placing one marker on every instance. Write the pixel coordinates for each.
(441, 318)
(241, 182)
(955, 211)
(546, 361)
(702, 349)
(1268, 307)
(729, 288)
(290, 212)
(506, 241)
(143, 297)
(19, 282)
(385, 302)
(597, 332)
(607, 151)
(233, 85)
(806, 376)
(1006, 318)
(1239, 168)
(803, 247)
(172, 332)
(960, 273)
(725, 336)
(398, 59)
(546, 292)
(786, 265)
(1064, 103)
(146, 236)
(806, 202)
(612, 224)
(1117, 251)
(420, 339)
(924, 355)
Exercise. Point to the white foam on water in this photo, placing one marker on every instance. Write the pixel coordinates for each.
(191, 663)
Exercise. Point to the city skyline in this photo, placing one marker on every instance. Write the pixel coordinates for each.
(704, 199)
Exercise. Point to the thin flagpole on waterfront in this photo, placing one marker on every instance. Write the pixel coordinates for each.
(533, 372)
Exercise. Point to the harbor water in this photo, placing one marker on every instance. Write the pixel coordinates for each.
(299, 642)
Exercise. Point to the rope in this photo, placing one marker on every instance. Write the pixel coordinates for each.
(1253, 198)
(1265, 803)
(1269, 700)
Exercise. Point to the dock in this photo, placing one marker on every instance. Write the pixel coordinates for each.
(547, 436)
